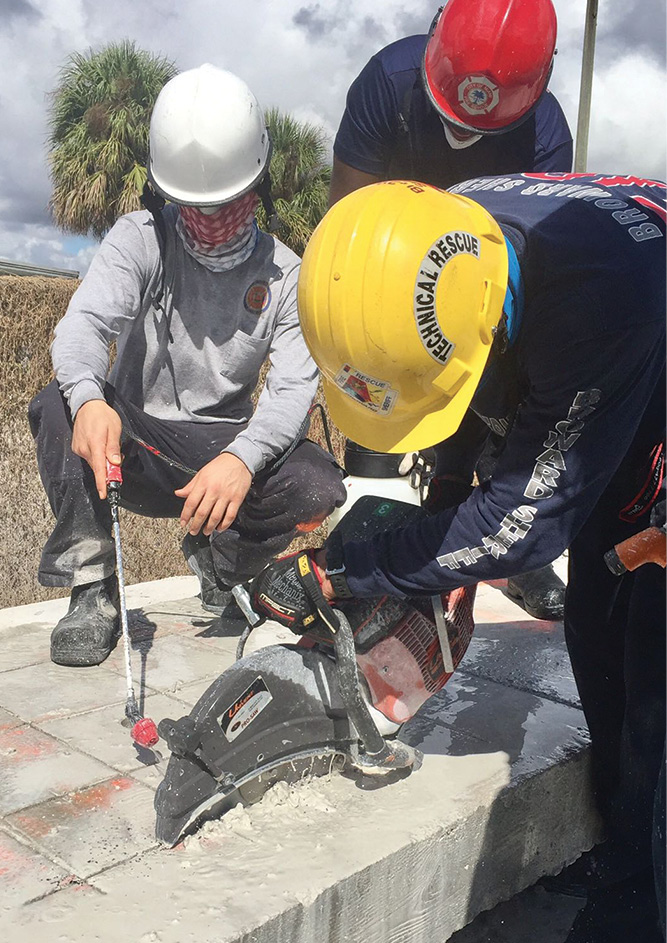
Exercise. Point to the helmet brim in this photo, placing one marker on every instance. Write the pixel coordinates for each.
(445, 111)
(220, 197)
(390, 434)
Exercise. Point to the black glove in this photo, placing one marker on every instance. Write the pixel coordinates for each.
(288, 591)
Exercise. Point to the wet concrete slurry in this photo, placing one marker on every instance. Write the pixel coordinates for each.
(503, 789)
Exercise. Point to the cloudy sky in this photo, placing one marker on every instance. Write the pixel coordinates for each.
(300, 56)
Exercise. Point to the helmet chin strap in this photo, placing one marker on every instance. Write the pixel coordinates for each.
(455, 142)
(263, 190)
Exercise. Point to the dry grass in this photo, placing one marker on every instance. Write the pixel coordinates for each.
(29, 310)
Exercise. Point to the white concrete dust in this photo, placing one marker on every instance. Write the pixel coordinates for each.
(284, 808)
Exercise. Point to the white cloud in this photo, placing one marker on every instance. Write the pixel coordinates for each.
(300, 55)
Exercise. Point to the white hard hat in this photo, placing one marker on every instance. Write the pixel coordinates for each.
(208, 140)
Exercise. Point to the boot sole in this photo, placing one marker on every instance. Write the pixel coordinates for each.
(73, 660)
(70, 658)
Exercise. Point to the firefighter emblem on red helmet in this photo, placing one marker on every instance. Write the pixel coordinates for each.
(477, 94)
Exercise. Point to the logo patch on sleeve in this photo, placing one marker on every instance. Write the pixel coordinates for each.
(257, 298)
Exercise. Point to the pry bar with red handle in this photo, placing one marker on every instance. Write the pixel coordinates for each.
(144, 732)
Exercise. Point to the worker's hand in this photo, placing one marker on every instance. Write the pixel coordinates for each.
(286, 591)
(96, 438)
(215, 494)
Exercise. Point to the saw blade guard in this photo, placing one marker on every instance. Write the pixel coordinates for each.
(275, 714)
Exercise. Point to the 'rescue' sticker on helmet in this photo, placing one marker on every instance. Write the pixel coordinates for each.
(432, 266)
(376, 395)
(246, 708)
(478, 95)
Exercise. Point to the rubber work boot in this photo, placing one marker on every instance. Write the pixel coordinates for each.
(88, 633)
(541, 592)
(215, 596)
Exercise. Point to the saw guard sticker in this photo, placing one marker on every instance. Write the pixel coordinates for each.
(245, 709)
(431, 268)
(376, 395)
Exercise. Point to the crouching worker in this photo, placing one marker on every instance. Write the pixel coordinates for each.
(196, 298)
(537, 302)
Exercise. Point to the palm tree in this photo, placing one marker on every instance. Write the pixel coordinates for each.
(98, 145)
(300, 177)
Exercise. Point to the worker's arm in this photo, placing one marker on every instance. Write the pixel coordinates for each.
(345, 179)
(366, 134)
(576, 424)
(108, 298)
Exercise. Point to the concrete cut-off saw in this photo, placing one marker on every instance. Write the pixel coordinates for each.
(335, 699)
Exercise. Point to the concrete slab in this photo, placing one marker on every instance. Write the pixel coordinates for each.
(34, 766)
(103, 735)
(57, 906)
(189, 694)
(152, 776)
(529, 729)
(502, 798)
(24, 645)
(92, 828)
(45, 692)
(527, 654)
(326, 859)
(8, 720)
(139, 596)
(25, 874)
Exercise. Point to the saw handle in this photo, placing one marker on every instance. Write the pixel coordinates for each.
(379, 756)
(648, 546)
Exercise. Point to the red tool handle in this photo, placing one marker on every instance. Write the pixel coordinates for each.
(645, 547)
(144, 732)
(114, 473)
(648, 546)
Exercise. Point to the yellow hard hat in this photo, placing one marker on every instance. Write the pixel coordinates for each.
(400, 290)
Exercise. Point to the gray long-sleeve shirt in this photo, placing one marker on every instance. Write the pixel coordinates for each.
(199, 358)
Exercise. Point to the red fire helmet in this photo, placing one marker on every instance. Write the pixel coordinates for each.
(487, 62)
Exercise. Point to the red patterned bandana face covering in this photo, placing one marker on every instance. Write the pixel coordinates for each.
(208, 230)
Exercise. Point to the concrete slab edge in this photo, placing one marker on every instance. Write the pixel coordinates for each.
(429, 889)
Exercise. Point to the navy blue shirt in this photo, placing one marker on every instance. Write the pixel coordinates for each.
(581, 389)
(391, 130)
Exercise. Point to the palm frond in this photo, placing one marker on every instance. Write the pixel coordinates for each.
(300, 177)
(99, 120)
